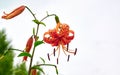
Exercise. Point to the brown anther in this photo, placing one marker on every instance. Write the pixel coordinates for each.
(54, 52)
(48, 56)
(68, 58)
(57, 61)
(75, 51)
(67, 47)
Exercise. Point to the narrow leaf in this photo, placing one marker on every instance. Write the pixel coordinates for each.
(41, 70)
(42, 60)
(33, 31)
(56, 71)
(42, 23)
(38, 43)
(36, 21)
(24, 54)
(39, 22)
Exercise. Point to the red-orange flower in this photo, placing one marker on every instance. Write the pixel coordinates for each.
(14, 13)
(28, 47)
(60, 36)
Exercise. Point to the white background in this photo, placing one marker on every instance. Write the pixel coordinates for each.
(97, 33)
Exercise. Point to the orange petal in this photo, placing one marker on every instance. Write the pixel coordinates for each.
(51, 37)
(71, 35)
(65, 41)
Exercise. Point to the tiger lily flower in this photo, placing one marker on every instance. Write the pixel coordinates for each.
(28, 47)
(14, 13)
(60, 37)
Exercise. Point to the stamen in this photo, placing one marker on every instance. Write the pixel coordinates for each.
(54, 52)
(57, 60)
(75, 51)
(68, 58)
(67, 47)
(48, 56)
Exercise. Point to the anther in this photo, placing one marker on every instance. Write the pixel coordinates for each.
(54, 52)
(67, 46)
(57, 61)
(75, 51)
(48, 56)
(68, 58)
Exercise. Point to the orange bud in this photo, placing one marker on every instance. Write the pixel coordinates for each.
(33, 72)
(25, 58)
(29, 44)
(28, 47)
(14, 13)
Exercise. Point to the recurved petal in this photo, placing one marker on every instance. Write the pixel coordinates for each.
(71, 35)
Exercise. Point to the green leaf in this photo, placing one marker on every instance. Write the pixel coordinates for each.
(36, 21)
(33, 31)
(42, 23)
(38, 43)
(24, 54)
(39, 22)
(42, 60)
(56, 71)
(38, 68)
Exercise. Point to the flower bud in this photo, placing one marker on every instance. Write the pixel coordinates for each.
(57, 19)
(14, 13)
(33, 72)
(28, 47)
(29, 44)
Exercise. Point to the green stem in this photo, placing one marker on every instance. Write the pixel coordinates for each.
(31, 12)
(31, 60)
(44, 19)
